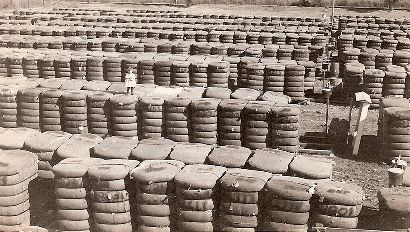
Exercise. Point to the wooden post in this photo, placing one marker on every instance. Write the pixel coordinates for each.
(357, 136)
(333, 15)
(327, 114)
(350, 120)
(365, 101)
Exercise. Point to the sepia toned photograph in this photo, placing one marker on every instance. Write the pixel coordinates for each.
(204, 115)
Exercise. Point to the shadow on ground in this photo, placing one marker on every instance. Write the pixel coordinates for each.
(369, 145)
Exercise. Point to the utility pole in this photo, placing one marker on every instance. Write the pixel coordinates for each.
(333, 12)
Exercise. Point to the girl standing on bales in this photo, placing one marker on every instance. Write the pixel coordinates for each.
(130, 81)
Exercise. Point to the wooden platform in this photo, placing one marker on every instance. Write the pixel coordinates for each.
(164, 4)
(316, 143)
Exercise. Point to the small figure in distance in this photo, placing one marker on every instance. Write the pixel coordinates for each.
(130, 81)
(33, 21)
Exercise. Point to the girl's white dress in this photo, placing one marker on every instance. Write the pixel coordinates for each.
(130, 80)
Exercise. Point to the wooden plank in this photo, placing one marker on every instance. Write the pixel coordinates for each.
(333, 100)
(157, 4)
(316, 138)
(319, 146)
(178, 5)
(317, 134)
(316, 152)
